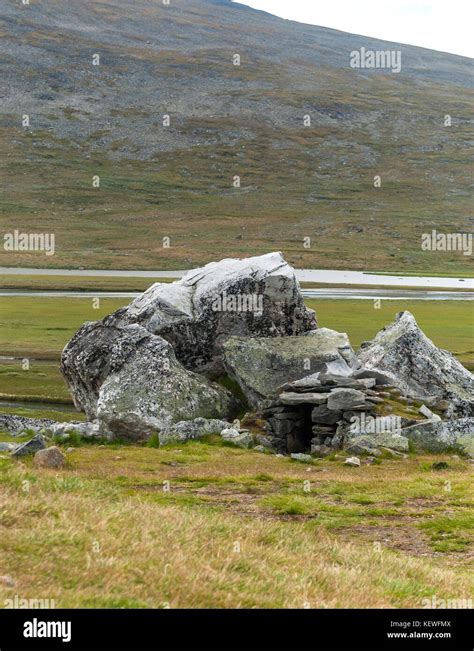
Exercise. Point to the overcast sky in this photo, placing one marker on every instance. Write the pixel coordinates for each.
(445, 25)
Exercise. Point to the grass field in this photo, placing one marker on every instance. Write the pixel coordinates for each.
(235, 529)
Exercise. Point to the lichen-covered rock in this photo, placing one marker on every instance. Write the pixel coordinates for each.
(302, 458)
(135, 371)
(131, 382)
(51, 458)
(189, 430)
(257, 297)
(444, 436)
(366, 444)
(403, 353)
(240, 438)
(262, 365)
(16, 425)
(85, 430)
(7, 447)
(152, 390)
(345, 399)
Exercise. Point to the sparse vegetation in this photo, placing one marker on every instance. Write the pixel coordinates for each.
(296, 181)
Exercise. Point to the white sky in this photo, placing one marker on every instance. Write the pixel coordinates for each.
(446, 25)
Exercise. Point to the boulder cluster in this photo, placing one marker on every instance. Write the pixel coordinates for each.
(234, 340)
(159, 361)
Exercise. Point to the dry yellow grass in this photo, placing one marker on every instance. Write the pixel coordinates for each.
(236, 529)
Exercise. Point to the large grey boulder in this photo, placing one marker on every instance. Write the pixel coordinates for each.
(257, 297)
(262, 365)
(135, 371)
(131, 382)
(152, 390)
(403, 353)
(444, 436)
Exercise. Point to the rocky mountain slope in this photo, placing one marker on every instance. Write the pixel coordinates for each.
(226, 120)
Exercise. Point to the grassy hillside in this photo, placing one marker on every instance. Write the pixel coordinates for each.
(155, 181)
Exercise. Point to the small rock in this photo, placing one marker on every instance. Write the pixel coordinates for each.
(352, 461)
(7, 580)
(320, 450)
(70, 449)
(427, 413)
(264, 441)
(50, 458)
(299, 456)
(241, 439)
(30, 447)
(393, 453)
(260, 448)
(362, 447)
(345, 399)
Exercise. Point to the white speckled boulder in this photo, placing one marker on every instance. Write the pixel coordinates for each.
(132, 383)
(135, 371)
(417, 367)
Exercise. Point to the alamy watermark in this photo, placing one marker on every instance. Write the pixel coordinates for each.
(38, 628)
(376, 59)
(366, 424)
(238, 303)
(20, 603)
(435, 241)
(435, 602)
(27, 242)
